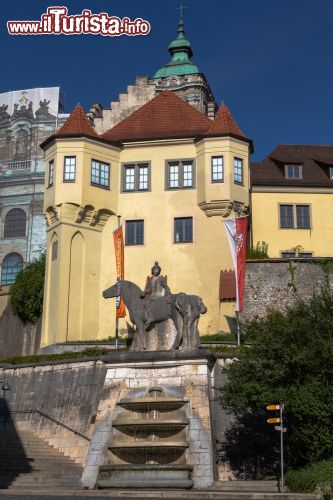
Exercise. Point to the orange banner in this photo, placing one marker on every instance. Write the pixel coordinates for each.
(119, 251)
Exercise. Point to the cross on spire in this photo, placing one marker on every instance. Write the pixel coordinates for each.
(181, 8)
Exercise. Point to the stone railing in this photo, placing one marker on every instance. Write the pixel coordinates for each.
(15, 165)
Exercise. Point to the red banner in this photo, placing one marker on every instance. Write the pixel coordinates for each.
(119, 251)
(236, 230)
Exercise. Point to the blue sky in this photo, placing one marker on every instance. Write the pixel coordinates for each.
(270, 61)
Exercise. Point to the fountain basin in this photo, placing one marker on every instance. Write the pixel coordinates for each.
(160, 403)
(145, 476)
(149, 444)
(161, 424)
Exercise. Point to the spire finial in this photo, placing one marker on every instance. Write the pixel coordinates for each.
(181, 8)
(181, 30)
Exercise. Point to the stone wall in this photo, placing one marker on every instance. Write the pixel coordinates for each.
(185, 374)
(278, 283)
(68, 391)
(16, 338)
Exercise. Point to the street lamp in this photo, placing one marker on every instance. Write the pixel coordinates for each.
(5, 387)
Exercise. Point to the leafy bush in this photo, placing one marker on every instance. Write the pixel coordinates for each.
(290, 361)
(28, 290)
(317, 475)
(260, 251)
(219, 337)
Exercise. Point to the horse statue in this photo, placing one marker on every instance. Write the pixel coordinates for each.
(183, 309)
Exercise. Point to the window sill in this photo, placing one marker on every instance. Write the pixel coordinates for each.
(180, 188)
(135, 191)
(107, 188)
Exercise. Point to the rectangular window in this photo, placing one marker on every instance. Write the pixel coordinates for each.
(136, 177)
(143, 177)
(331, 173)
(69, 168)
(303, 216)
(180, 174)
(183, 230)
(100, 174)
(134, 232)
(238, 170)
(51, 173)
(295, 216)
(217, 169)
(293, 171)
(286, 216)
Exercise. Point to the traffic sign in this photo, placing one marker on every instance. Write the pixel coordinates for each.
(273, 421)
(273, 407)
(279, 428)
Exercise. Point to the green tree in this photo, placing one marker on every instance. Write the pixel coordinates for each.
(26, 294)
(291, 362)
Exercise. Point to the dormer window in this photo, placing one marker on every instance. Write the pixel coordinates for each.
(293, 171)
(331, 173)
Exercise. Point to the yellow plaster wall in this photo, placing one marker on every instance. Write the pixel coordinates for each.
(190, 267)
(265, 222)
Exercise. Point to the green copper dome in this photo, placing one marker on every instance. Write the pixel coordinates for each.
(181, 53)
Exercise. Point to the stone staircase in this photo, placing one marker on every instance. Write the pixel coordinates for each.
(29, 463)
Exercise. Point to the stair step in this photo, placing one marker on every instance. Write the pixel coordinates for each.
(29, 463)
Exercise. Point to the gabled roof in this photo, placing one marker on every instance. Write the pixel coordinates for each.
(166, 115)
(224, 123)
(77, 124)
(315, 161)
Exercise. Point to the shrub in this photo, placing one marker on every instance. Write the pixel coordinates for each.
(37, 358)
(260, 251)
(26, 294)
(316, 476)
(290, 361)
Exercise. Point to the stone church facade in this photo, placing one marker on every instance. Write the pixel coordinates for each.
(27, 118)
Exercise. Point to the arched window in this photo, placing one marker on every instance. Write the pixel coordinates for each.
(12, 264)
(15, 223)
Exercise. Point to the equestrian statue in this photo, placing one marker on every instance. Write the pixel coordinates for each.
(157, 304)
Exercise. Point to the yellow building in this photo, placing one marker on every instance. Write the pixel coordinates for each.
(292, 201)
(172, 175)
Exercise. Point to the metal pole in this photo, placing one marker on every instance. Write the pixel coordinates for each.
(281, 446)
(238, 328)
(117, 301)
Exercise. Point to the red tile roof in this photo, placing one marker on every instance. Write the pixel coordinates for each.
(315, 161)
(166, 115)
(77, 124)
(224, 123)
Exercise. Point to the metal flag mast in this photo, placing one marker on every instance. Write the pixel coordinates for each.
(118, 297)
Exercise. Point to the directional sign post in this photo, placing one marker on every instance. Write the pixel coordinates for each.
(279, 420)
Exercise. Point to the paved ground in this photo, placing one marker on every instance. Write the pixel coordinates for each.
(151, 495)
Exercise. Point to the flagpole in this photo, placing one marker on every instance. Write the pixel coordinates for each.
(237, 312)
(117, 301)
(238, 328)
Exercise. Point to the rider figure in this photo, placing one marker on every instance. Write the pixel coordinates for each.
(156, 287)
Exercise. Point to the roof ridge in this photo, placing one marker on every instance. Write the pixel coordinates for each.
(224, 123)
(165, 115)
(77, 124)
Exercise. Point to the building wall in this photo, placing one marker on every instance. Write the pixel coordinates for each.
(27, 118)
(78, 207)
(16, 338)
(266, 227)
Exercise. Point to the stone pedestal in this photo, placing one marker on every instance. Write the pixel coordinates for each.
(182, 375)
